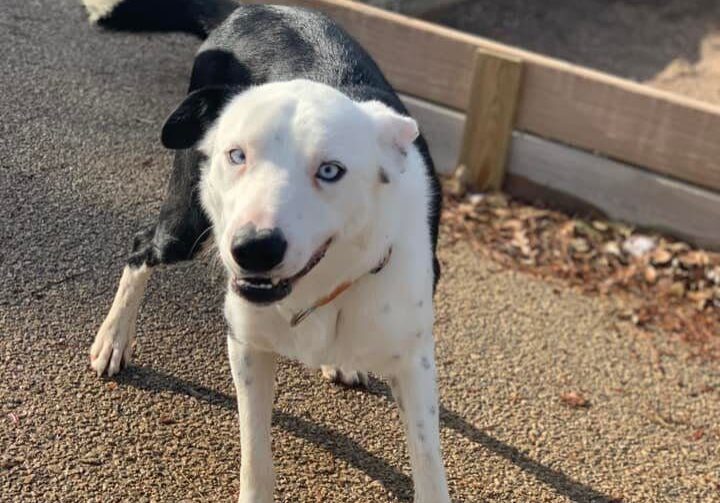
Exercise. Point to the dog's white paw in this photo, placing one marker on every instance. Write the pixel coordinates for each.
(255, 497)
(115, 340)
(113, 346)
(350, 378)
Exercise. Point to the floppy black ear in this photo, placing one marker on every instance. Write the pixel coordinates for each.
(189, 122)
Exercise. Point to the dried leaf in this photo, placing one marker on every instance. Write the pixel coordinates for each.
(701, 298)
(612, 248)
(694, 259)
(497, 200)
(580, 245)
(661, 257)
(476, 199)
(677, 289)
(666, 293)
(512, 224)
(600, 225)
(574, 400)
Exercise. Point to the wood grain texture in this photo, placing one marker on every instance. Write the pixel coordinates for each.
(621, 192)
(663, 132)
(490, 119)
(443, 130)
(578, 180)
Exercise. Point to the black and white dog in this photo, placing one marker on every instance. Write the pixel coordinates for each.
(296, 154)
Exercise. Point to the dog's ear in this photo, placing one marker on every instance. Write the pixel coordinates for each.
(193, 117)
(394, 129)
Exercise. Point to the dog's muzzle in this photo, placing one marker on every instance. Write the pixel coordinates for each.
(266, 289)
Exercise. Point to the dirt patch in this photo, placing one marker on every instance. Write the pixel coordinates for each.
(673, 45)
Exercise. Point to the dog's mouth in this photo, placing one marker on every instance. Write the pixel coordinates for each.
(266, 289)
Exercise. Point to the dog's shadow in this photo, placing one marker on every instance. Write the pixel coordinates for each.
(350, 451)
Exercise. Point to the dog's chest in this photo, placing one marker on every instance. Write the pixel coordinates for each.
(379, 319)
(360, 332)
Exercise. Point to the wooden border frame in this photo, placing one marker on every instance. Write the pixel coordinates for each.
(582, 182)
(662, 132)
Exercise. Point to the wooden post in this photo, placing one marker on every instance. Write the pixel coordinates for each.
(490, 120)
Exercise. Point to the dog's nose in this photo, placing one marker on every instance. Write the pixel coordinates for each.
(258, 250)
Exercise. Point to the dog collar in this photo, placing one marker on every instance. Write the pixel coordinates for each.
(339, 290)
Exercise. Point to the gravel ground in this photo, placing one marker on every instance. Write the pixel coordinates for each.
(81, 170)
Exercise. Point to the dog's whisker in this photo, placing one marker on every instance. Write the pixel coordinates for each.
(199, 239)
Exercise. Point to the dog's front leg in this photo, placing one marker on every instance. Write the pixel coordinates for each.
(254, 375)
(177, 236)
(415, 390)
(114, 341)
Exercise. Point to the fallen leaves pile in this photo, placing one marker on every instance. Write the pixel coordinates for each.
(661, 284)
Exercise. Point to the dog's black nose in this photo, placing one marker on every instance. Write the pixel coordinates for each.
(258, 250)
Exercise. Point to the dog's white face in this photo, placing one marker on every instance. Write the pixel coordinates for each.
(294, 169)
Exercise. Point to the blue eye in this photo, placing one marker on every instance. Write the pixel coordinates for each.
(330, 172)
(236, 156)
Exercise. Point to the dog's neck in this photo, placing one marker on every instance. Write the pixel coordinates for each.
(338, 291)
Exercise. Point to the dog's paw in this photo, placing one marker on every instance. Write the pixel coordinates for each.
(113, 346)
(349, 378)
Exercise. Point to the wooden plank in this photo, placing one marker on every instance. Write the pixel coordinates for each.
(491, 115)
(621, 192)
(577, 180)
(663, 132)
(414, 7)
(443, 130)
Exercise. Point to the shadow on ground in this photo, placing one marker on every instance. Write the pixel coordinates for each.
(148, 379)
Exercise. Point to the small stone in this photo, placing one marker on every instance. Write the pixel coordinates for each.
(55, 468)
(650, 274)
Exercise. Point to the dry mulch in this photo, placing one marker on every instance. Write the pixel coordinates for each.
(661, 285)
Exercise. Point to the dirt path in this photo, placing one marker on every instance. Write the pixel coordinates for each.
(81, 170)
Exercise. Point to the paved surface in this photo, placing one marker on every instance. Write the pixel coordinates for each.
(81, 170)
